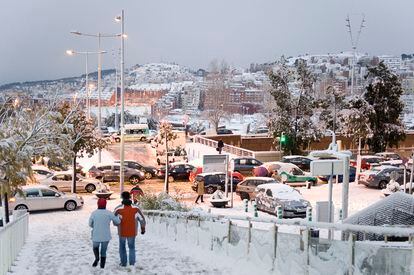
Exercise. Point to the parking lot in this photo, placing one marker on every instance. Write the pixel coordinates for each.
(359, 195)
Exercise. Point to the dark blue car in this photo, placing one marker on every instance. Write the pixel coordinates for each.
(352, 175)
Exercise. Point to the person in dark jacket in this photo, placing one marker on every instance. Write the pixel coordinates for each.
(127, 229)
(100, 221)
(220, 146)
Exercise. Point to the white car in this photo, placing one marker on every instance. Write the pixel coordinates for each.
(40, 172)
(62, 181)
(40, 197)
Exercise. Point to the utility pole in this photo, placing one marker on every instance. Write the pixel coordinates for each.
(354, 44)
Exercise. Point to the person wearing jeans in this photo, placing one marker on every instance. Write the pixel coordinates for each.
(122, 250)
(127, 229)
(100, 221)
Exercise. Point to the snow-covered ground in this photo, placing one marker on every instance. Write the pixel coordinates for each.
(59, 243)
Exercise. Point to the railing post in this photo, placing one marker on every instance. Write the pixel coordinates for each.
(274, 233)
(351, 243)
(249, 236)
(412, 256)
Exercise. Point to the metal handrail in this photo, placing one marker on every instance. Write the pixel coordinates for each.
(396, 231)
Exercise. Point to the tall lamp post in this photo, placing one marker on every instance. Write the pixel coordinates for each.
(86, 53)
(121, 19)
(99, 36)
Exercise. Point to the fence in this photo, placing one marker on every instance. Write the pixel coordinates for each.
(227, 148)
(289, 246)
(12, 237)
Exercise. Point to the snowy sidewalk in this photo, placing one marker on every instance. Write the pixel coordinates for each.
(59, 243)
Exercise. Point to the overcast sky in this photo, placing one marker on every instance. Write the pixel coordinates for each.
(34, 34)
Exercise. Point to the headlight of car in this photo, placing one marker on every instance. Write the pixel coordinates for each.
(154, 170)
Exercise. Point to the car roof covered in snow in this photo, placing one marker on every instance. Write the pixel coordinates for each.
(260, 178)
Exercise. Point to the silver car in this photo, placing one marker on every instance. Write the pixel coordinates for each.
(62, 181)
(270, 196)
(40, 197)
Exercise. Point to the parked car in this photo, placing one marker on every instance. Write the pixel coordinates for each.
(389, 156)
(352, 176)
(110, 172)
(297, 177)
(40, 172)
(224, 131)
(300, 161)
(105, 131)
(199, 170)
(149, 171)
(246, 165)
(40, 197)
(246, 188)
(176, 171)
(368, 162)
(62, 181)
(379, 177)
(270, 196)
(173, 156)
(213, 180)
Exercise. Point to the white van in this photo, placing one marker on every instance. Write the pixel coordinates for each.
(133, 132)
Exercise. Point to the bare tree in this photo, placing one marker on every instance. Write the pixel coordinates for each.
(217, 94)
(165, 136)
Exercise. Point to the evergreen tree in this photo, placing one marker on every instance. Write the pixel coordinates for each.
(292, 90)
(383, 94)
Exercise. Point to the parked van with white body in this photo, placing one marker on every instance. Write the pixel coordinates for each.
(133, 132)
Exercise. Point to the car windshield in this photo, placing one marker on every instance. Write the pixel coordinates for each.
(287, 194)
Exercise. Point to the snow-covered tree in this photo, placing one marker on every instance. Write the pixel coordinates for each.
(83, 135)
(354, 119)
(27, 131)
(292, 90)
(383, 94)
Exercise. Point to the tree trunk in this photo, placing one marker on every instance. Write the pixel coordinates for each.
(166, 166)
(6, 208)
(74, 175)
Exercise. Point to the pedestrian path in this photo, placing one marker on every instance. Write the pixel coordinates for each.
(59, 243)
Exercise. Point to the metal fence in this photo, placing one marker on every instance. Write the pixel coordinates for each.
(12, 237)
(289, 246)
(227, 148)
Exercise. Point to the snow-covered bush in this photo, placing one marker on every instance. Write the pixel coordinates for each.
(161, 201)
(393, 186)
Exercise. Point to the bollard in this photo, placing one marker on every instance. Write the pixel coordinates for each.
(309, 214)
(279, 212)
(255, 209)
(246, 205)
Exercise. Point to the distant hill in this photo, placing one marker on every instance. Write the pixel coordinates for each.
(64, 80)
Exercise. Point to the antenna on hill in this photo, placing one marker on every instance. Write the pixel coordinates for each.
(354, 44)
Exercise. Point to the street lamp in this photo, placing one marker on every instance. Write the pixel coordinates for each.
(99, 36)
(121, 19)
(86, 53)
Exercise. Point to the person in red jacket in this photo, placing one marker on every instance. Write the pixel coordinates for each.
(130, 215)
